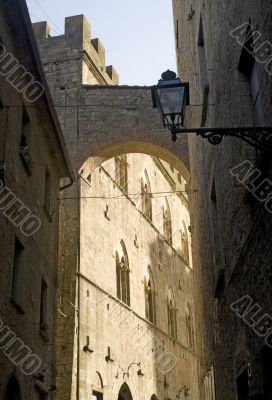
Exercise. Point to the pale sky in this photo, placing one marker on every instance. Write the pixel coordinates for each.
(138, 34)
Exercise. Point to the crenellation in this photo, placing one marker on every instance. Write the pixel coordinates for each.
(41, 30)
(78, 30)
(76, 46)
(100, 49)
(113, 74)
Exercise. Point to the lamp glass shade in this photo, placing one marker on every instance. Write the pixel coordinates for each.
(172, 99)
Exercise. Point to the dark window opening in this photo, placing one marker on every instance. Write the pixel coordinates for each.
(97, 395)
(47, 191)
(248, 68)
(203, 71)
(266, 360)
(43, 305)
(242, 386)
(24, 141)
(17, 274)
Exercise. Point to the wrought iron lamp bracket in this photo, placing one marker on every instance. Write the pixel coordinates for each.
(259, 137)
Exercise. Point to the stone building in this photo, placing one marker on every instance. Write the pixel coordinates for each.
(33, 159)
(100, 322)
(136, 300)
(224, 51)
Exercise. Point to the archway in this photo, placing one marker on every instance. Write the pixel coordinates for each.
(125, 393)
(13, 390)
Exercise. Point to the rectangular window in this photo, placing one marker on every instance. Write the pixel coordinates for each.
(249, 83)
(43, 305)
(18, 273)
(177, 34)
(203, 72)
(47, 191)
(255, 96)
(217, 244)
(24, 142)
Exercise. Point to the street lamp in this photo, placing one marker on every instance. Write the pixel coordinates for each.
(171, 96)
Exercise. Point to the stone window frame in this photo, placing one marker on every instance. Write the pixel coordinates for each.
(146, 193)
(150, 297)
(123, 275)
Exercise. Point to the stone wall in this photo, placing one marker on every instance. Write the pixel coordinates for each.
(108, 322)
(230, 229)
(20, 309)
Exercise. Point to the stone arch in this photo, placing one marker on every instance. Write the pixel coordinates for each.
(125, 393)
(154, 397)
(13, 391)
(95, 158)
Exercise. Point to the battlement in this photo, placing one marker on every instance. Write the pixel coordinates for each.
(76, 43)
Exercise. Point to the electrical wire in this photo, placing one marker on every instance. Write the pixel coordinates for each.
(58, 30)
(130, 195)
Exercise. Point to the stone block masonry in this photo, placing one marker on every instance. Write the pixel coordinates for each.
(75, 52)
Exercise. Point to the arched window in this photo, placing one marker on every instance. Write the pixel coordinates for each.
(124, 393)
(184, 244)
(97, 392)
(146, 196)
(189, 326)
(154, 397)
(167, 222)
(121, 172)
(172, 316)
(13, 390)
(150, 309)
(122, 275)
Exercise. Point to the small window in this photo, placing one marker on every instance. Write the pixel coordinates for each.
(122, 276)
(179, 177)
(171, 316)
(172, 320)
(167, 223)
(185, 244)
(121, 172)
(150, 310)
(249, 84)
(43, 305)
(146, 196)
(18, 273)
(203, 72)
(202, 56)
(25, 141)
(47, 191)
(189, 325)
